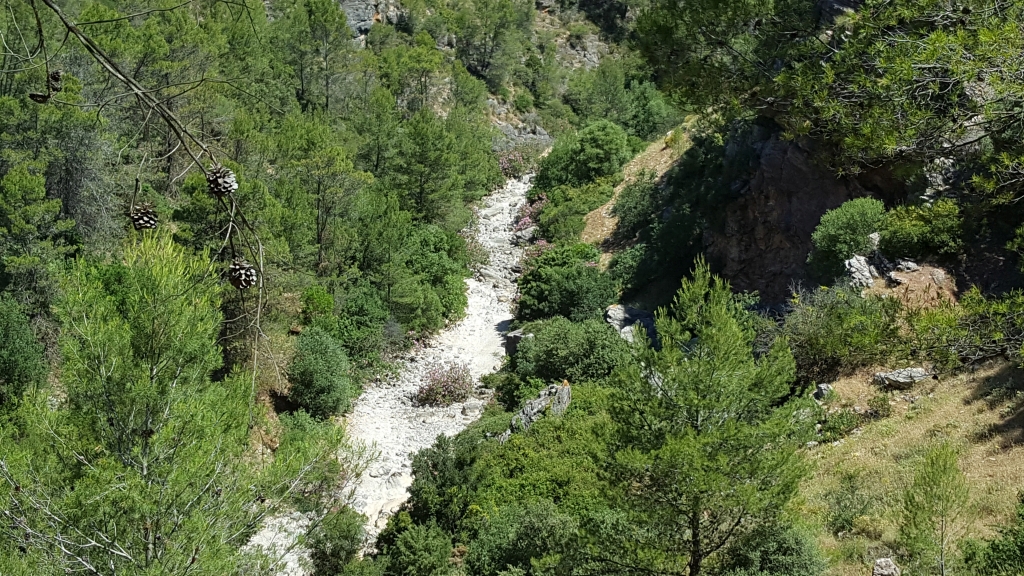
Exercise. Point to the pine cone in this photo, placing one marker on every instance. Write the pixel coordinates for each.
(221, 181)
(54, 81)
(144, 217)
(39, 98)
(242, 275)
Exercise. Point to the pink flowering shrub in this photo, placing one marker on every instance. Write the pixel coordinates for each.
(530, 213)
(446, 385)
(513, 163)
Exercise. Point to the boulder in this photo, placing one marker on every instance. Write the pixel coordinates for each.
(859, 272)
(524, 236)
(512, 340)
(624, 318)
(901, 379)
(904, 265)
(885, 567)
(473, 408)
(556, 397)
(822, 391)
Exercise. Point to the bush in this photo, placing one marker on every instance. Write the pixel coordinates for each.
(773, 549)
(846, 503)
(600, 149)
(446, 385)
(561, 349)
(514, 163)
(835, 330)
(844, 232)
(636, 206)
(317, 302)
(336, 541)
(879, 406)
(535, 535)
(21, 356)
(1002, 555)
(648, 113)
(420, 551)
(319, 375)
(564, 282)
(561, 217)
(920, 231)
(838, 424)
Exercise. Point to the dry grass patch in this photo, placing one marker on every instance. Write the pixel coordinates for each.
(980, 412)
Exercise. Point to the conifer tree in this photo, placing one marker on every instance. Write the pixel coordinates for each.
(708, 431)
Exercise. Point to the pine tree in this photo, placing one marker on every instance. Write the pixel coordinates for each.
(708, 431)
(145, 467)
(934, 507)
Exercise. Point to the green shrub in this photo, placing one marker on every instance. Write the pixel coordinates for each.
(535, 535)
(648, 113)
(577, 292)
(523, 101)
(847, 502)
(600, 149)
(359, 323)
(773, 549)
(445, 385)
(319, 375)
(420, 551)
(565, 282)
(636, 206)
(879, 406)
(835, 330)
(21, 356)
(844, 232)
(561, 349)
(1002, 555)
(317, 302)
(561, 218)
(920, 231)
(838, 424)
(336, 541)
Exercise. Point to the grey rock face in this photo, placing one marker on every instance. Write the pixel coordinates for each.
(885, 567)
(554, 396)
(623, 318)
(361, 14)
(901, 379)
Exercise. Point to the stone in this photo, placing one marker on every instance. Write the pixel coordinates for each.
(524, 236)
(562, 399)
(859, 272)
(822, 391)
(901, 379)
(895, 280)
(624, 318)
(875, 238)
(885, 567)
(512, 340)
(904, 265)
(556, 397)
(473, 408)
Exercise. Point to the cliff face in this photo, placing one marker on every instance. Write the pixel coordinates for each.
(764, 236)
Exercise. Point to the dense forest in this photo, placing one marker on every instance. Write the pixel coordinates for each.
(221, 221)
